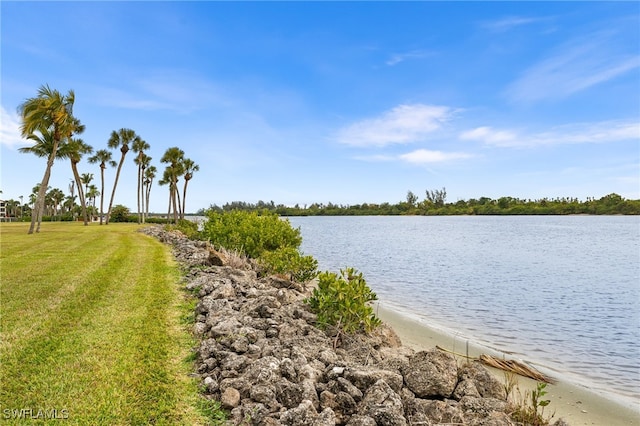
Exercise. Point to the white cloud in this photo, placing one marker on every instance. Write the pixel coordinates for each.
(599, 132)
(376, 158)
(425, 156)
(490, 136)
(401, 57)
(401, 125)
(510, 22)
(10, 129)
(418, 157)
(575, 66)
(173, 90)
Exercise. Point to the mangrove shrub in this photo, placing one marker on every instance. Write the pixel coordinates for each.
(290, 262)
(251, 233)
(343, 301)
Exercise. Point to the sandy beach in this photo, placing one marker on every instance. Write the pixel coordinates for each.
(575, 404)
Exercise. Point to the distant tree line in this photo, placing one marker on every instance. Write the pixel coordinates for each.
(435, 204)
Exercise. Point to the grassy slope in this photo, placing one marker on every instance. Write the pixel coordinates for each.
(91, 324)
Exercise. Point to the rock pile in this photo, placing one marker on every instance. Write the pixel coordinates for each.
(262, 357)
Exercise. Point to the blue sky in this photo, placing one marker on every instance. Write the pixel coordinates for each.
(301, 102)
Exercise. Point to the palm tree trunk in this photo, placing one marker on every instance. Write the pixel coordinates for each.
(141, 191)
(176, 203)
(76, 176)
(113, 193)
(184, 196)
(148, 193)
(36, 214)
(139, 194)
(102, 167)
(177, 194)
(170, 199)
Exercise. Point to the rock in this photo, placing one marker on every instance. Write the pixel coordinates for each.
(288, 394)
(383, 405)
(263, 393)
(303, 414)
(363, 378)
(359, 420)
(211, 384)
(288, 370)
(349, 388)
(230, 398)
(474, 380)
(224, 291)
(309, 392)
(214, 258)
(200, 328)
(224, 327)
(326, 418)
(431, 374)
(494, 418)
(481, 407)
(422, 411)
(345, 404)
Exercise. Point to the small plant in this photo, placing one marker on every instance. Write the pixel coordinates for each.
(510, 383)
(531, 411)
(235, 258)
(343, 301)
(289, 261)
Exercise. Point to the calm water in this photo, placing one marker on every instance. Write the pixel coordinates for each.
(562, 292)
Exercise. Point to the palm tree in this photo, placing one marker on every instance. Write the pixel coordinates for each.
(189, 169)
(149, 175)
(49, 111)
(122, 138)
(74, 149)
(104, 158)
(70, 203)
(34, 196)
(57, 197)
(166, 180)
(139, 146)
(174, 157)
(72, 196)
(86, 179)
(146, 161)
(92, 193)
(43, 147)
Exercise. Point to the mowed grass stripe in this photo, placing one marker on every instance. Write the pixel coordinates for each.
(112, 352)
(34, 284)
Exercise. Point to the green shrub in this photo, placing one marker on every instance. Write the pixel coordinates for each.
(120, 213)
(158, 220)
(187, 227)
(251, 233)
(343, 301)
(289, 261)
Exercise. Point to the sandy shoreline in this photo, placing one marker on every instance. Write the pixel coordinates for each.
(575, 404)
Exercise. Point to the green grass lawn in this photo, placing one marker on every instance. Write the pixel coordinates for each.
(94, 326)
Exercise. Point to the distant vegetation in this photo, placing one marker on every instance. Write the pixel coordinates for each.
(435, 204)
(48, 121)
